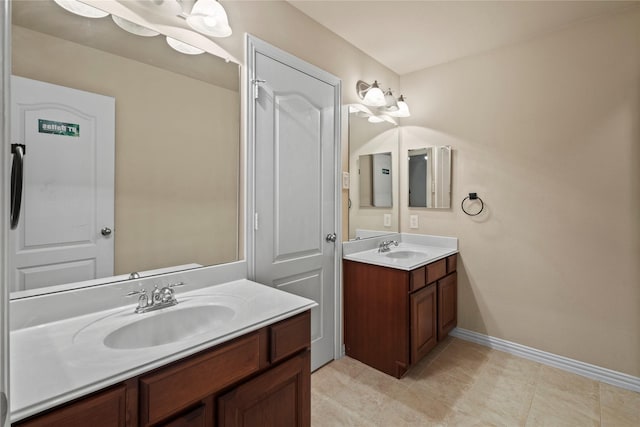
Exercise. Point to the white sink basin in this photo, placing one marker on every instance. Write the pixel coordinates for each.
(169, 326)
(405, 254)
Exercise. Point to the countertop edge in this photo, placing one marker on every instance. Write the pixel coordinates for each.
(399, 267)
(28, 411)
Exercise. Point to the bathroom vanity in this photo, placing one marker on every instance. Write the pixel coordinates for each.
(260, 376)
(398, 305)
(248, 368)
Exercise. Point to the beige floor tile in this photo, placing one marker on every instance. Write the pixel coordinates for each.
(564, 399)
(501, 396)
(414, 406)
(464, 363)
(460, 419)
(463, 384)
(564, 380)
(381, 382)
(619, 407)
(326, 412)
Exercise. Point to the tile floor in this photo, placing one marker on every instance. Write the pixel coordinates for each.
(464, 384)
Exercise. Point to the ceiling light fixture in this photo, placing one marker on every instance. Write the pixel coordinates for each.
(209, 17)
(82, 9)
(133, 28)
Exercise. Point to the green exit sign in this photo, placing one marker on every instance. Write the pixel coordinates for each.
(58, 128)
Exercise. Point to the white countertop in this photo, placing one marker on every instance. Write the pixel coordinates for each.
(425, 249)
(56, 362)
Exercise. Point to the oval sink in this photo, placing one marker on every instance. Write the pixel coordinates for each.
(405, 254)
(169, 326)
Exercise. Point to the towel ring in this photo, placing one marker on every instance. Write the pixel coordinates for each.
(472, 196)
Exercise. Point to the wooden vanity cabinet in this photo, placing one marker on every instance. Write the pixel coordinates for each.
(102, 409)
(279, 397)
(447, 304)
(393, 318)
(264, 375)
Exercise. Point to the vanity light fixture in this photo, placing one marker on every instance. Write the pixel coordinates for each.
(390, 103)
(371, 94)
(209, 17)
(375, 119)
(82, 9)
(372, 115)
(183, 47)
(133, 28)
(403, 109)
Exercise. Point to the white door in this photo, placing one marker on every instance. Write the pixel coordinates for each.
(296, 137)
(65, 232)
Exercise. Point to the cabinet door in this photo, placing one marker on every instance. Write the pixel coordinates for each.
(447, 305)
(102, 409)
(281, 397)
(194, 418)
(423, 322)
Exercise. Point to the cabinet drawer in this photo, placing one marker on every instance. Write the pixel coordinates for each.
(417, 279)
(436, 270)
(102, 409)
(290, 336)
(452, 261)
(174, 388)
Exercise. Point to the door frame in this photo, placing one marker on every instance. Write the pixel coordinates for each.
(5, 108)
(255, 45)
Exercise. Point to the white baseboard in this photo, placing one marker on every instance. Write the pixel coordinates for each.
(594, 372)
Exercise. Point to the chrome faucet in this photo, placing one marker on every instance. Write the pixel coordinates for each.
(159, 298)
(384, 246)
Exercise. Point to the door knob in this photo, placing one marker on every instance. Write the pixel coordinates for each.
(331, 237)
(105, 231)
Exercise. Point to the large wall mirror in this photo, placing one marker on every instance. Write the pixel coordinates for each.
(171, 196)
(429, 171)
(373, 168)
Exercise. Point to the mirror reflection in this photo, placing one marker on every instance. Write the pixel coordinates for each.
(429, 170)
(374, 180)
(373, 168)
(132, 152)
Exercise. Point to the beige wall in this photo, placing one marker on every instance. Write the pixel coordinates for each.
(177, 152)
(284, 26)
(547, 132)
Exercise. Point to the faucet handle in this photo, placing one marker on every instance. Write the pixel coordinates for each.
(140, 292)
(175, 285)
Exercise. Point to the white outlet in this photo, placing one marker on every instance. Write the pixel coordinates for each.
(387, 220)
(413, 221)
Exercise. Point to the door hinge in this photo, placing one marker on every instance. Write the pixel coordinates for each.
(256, 87)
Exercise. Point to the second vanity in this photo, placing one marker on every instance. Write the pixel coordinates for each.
(251, 360)
(399, 303)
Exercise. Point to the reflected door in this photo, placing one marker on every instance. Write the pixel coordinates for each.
(65, 233)
(295, 191)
